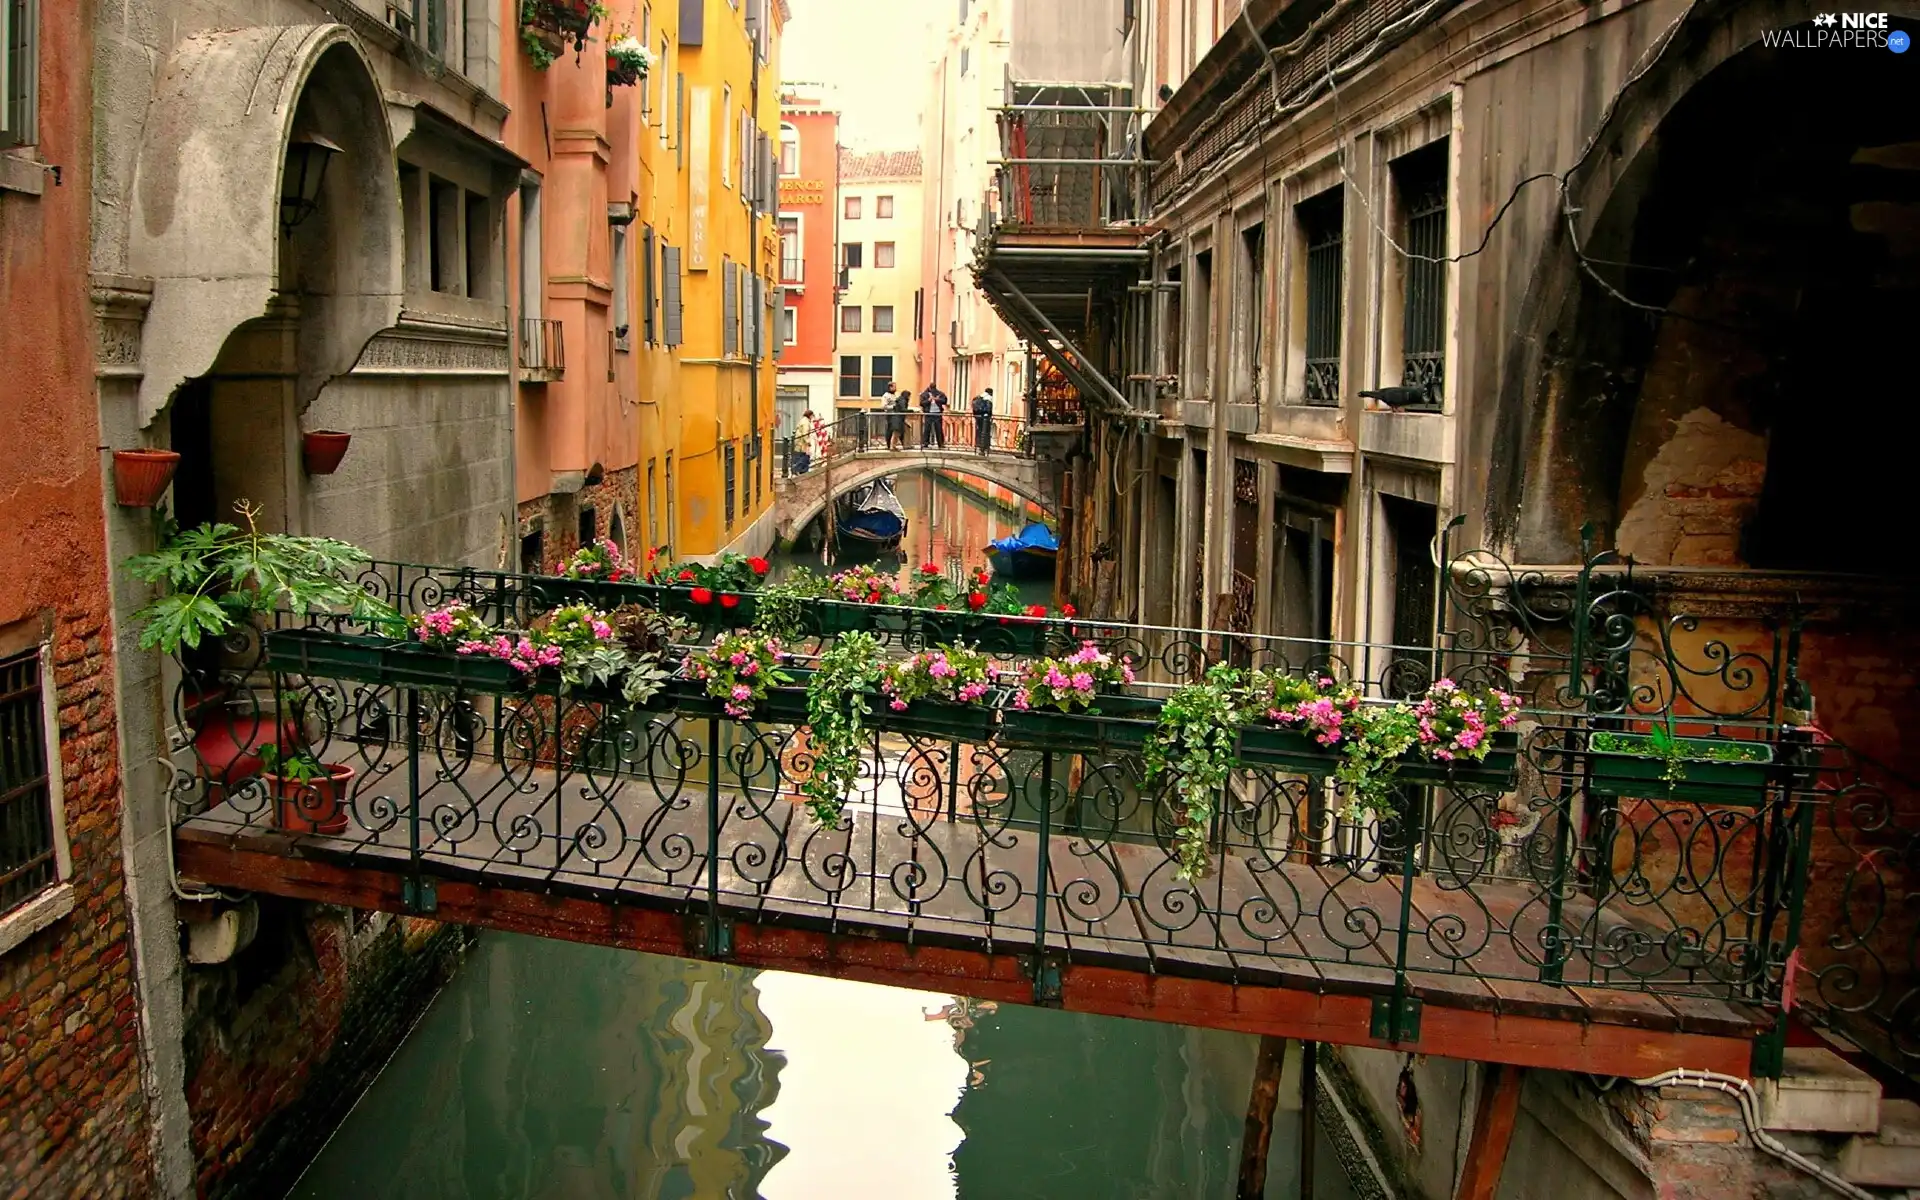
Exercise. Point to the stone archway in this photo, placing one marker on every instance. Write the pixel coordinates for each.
(1596, 391)
(250, 320)
(206, 206)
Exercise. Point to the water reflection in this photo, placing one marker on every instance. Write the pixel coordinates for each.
(568, 1072)
(951, 519)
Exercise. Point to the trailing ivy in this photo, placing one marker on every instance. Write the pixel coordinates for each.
(784, 605)
(1194, 748)
(837, 709)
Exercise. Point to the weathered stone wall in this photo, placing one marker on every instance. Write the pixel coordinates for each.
(282, 1040)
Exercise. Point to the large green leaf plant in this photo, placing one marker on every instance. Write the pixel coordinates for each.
(215, 577)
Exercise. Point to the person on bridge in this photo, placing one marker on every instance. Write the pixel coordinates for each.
(897, 419)
(983, 421)
(933, 410)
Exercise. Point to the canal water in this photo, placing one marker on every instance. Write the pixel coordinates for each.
(553, 1071)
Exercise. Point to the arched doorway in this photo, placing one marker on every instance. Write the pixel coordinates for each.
(1721, 373)
(257, 304)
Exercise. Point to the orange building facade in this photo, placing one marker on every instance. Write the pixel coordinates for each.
(809, 183)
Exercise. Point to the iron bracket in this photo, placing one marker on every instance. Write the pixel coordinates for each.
(419, 895)
(709, 936)
(1396, 1018)
(1048, 978)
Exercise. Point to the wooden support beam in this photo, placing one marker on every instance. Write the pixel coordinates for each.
(633, 920)
(1493, 1119)
(1257, 1137)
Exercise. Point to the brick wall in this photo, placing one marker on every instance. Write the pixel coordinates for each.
(281, 1041)
(72, 1111)
(558, 517)
(1698, 1148)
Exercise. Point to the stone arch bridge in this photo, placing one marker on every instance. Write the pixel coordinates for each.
(799, 496)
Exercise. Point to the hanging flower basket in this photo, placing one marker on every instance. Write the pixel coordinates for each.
(627, 62)
(546, 26)
(140, 476)
(323, 449)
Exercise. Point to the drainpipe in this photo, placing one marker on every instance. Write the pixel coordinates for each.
(754, 218)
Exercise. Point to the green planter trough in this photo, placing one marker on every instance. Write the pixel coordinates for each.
(936, 719)
(325, 654)
(1122, 723)
(1713, 770)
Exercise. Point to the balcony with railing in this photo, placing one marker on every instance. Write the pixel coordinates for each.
(543, 350)
(1621, 882)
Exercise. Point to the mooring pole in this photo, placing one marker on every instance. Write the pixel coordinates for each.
(1258, 1135)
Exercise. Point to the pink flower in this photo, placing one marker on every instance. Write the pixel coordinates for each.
(742, 692)
(898, 706)
(1082, 682)
(750, 669)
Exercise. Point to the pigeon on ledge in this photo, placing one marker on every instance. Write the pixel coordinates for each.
(1399, 397)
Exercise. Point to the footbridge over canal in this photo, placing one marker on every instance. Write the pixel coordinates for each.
(819, 466)
(1518, 911)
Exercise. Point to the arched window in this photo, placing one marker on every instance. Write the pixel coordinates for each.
(617, 529)
(789, 150)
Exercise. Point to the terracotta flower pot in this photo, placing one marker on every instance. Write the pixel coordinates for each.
(323, 449)
(139, 476)
(316, 806)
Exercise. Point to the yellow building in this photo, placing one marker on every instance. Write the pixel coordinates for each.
(702, 258)
(881, 314)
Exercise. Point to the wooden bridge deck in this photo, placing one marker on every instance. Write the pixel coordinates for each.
(918, 900)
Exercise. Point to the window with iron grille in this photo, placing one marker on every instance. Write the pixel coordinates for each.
(727, 483)
(1421, 178)
(1320, 229)
(28, 859)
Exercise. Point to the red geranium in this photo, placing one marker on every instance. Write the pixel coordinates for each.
(1070, 610)
(939, 608)
(927, 568)
(686, 575)
(873, 597)
(1036, 610)
(703, 595)
(759, 565)
(729, 600)
(976, 600)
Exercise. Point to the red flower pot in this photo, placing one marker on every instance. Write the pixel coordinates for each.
(323, 449)
(316, 806)
(228, 748)
(139, 476)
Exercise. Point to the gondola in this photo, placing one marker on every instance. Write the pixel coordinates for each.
(1029, 554)
(872, 520)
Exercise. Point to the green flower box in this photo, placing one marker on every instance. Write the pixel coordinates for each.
(1715, 770)
(1496, 772)
(1122, 723)
(1296, 750)
(936, 719)
(324, 654)
(783, 706)
(997, 635)
(1263, 745)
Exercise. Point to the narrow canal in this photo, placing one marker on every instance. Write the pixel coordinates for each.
(553, 1071)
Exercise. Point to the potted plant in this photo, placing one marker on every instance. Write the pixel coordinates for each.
(789, 610)
(837, 708)
(140, 476)
(322, 450)
(940, 693)
(546, 26)
(213, 577)
(1074, 703)
(627, 61)
(1466, 734)
(307, 794)
(1194, 748)
(1658, 764)
(1295, 721)
(744, 672)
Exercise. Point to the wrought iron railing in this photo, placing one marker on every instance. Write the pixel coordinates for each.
(1576, 865)
(878, 432)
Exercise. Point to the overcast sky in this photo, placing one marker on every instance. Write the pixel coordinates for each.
(872, 55)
